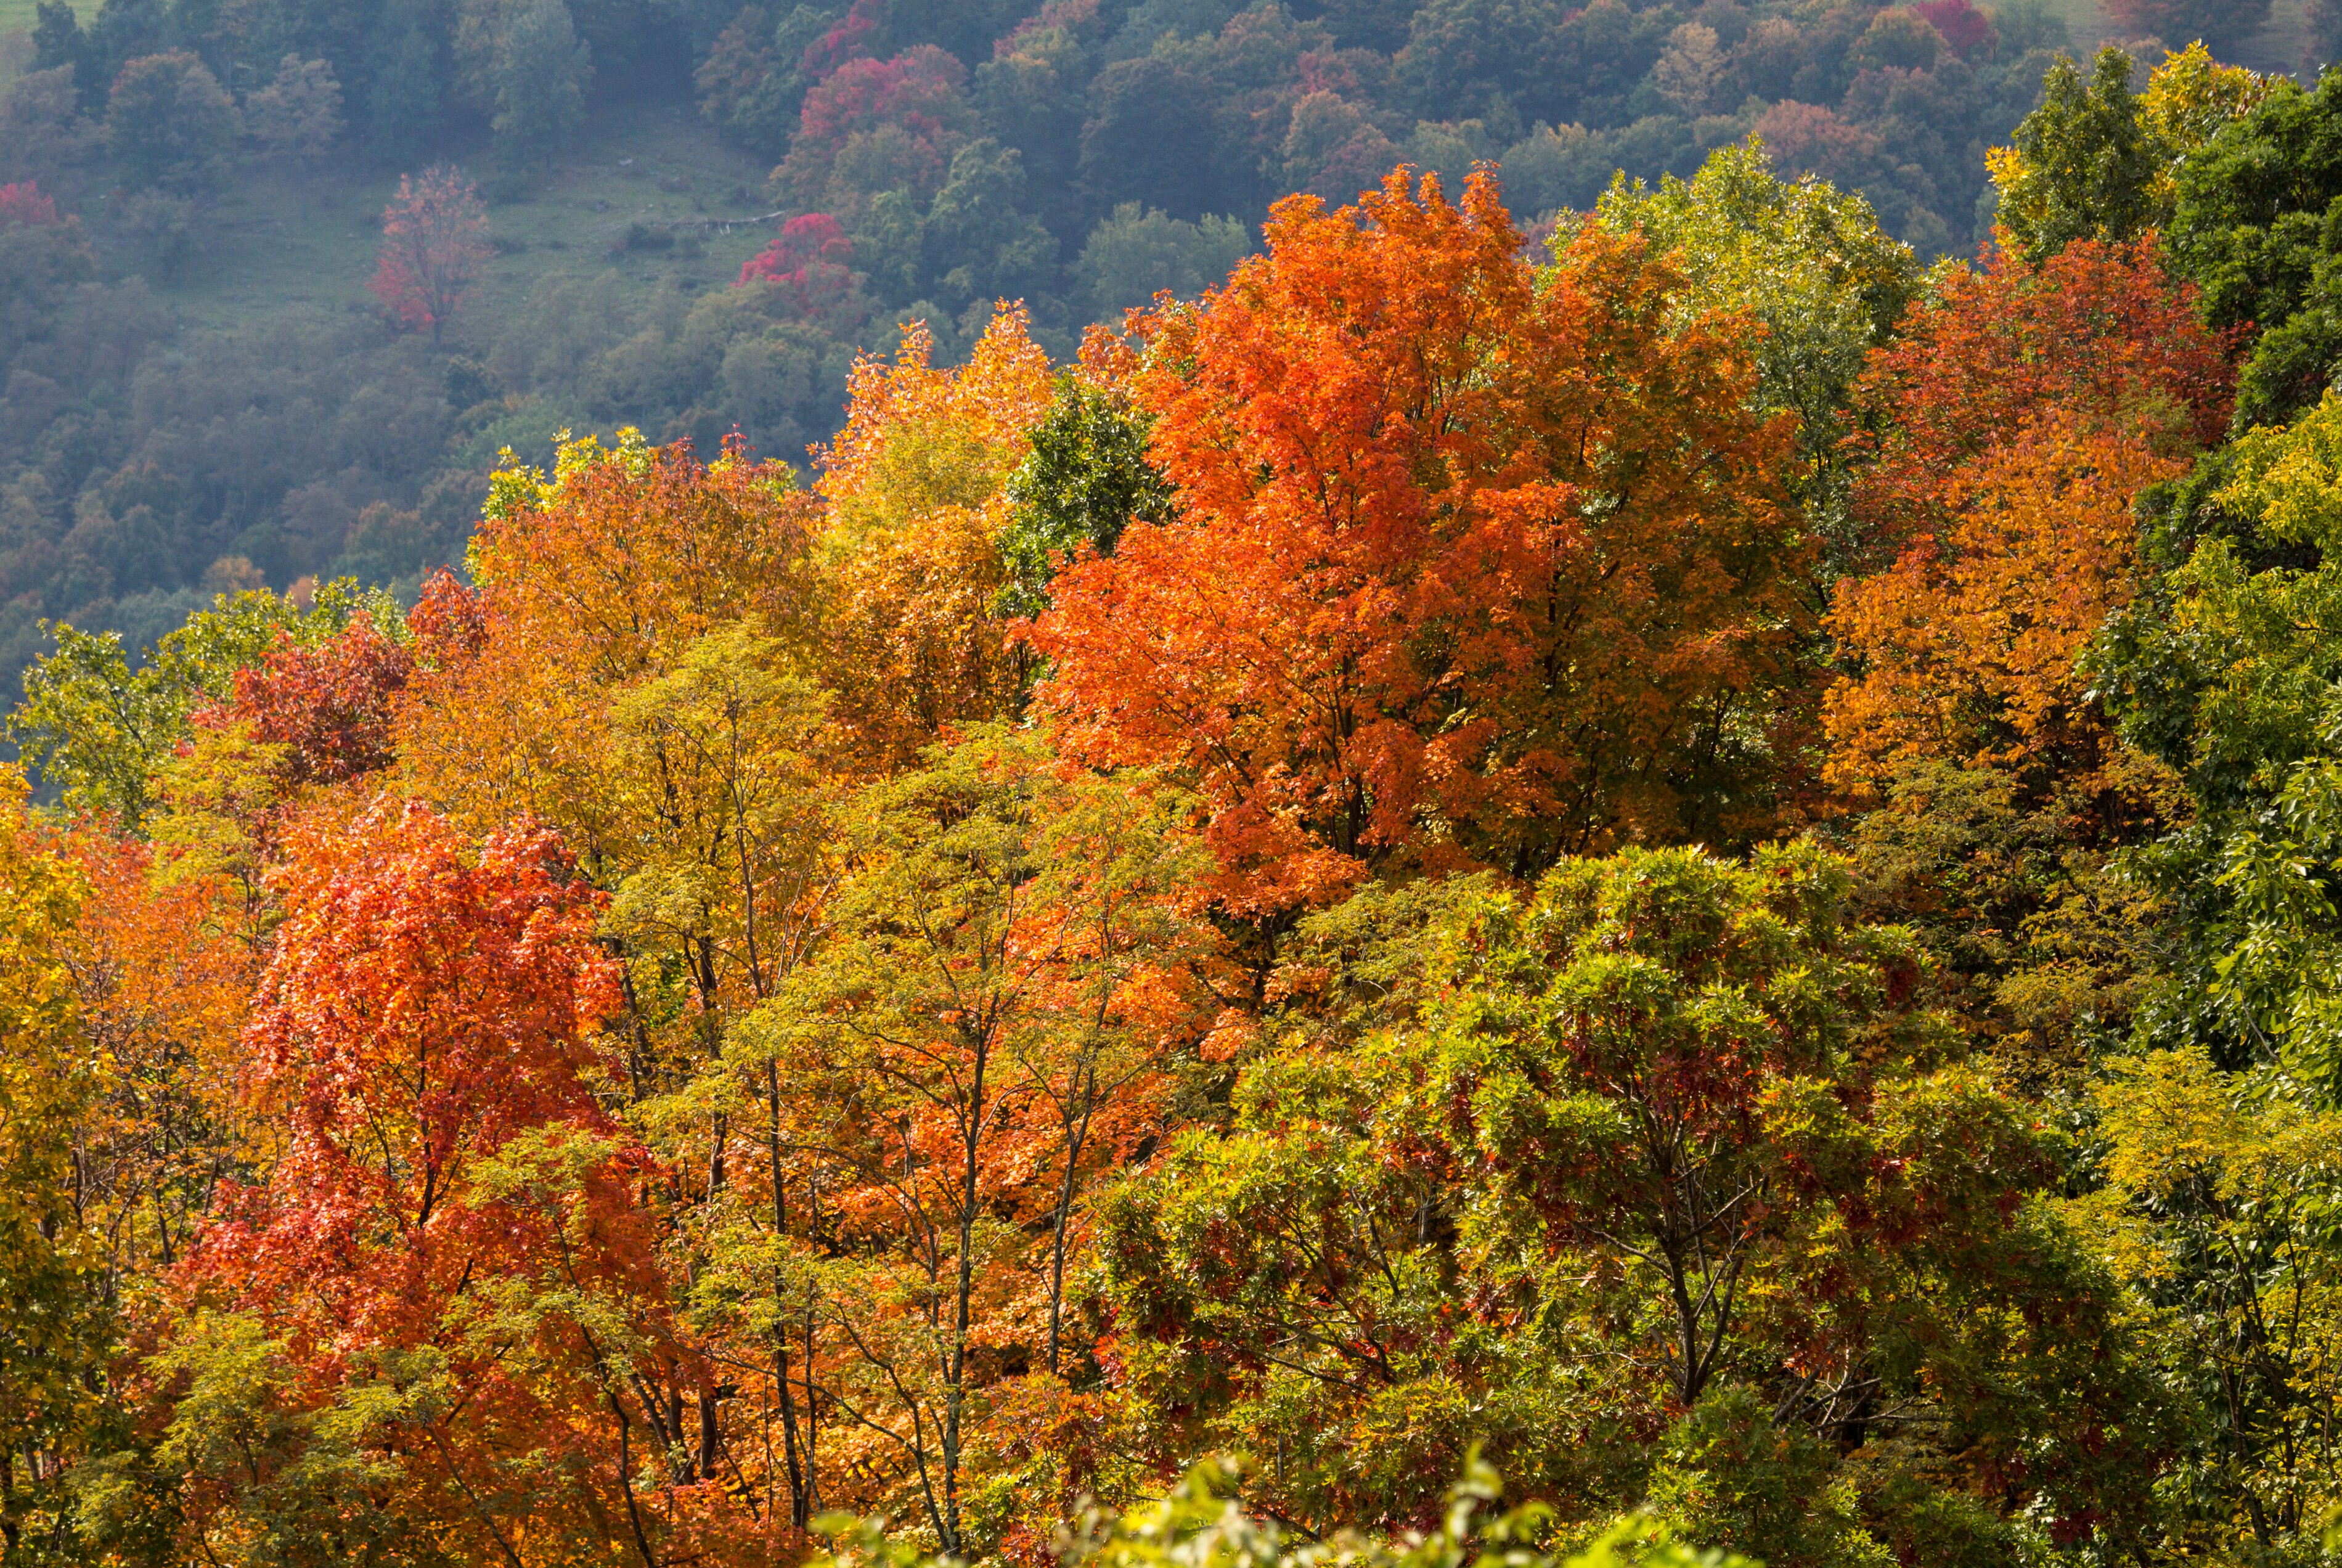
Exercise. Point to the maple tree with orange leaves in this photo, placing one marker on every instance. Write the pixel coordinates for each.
(1474, 566)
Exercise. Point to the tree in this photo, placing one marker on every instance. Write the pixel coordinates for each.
(894, 123)
(1086, 478)
(1149, 136)
(993, 990)
(327, 708)
(807, 260)
(590, 580)
(2095, 330)
(405, 82)
(2226, 675)
(299, 114)
(914, 635)
(170, 122)
(1136, 253)
(1813, 266)
(2083, 166)
(542, 71)
(96, 730)
(434, 244)
(1431, 505)
(2249, 231)
(752, 83)
(51, 1344)
(1663, 1184)
(449, 1223)
(1686, 75)
(2176, 23)
(2213, 1211)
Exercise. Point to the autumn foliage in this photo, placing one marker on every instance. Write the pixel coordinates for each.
(2030, 407)
(435, 241)
(807, 262)
(1475, 567)
(1316, 885)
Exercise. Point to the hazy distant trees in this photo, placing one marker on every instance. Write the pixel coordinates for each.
(435, 241)
(541, 72)
(1140, 250)
(299, 114)
(170, 122)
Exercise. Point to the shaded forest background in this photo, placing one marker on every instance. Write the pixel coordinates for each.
(199, 394)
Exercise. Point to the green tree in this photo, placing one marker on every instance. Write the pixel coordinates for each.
(1813, 264)
(1203, 1523)
(2230, 675)
(1671, 1144)
(1138, 251)
(2255, 228)
(1085, 477)
(171, 123)
(299, 114)
(2217, 1211)
(2083, 166)
(542, 71)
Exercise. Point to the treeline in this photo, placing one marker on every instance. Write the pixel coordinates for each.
(933, 157)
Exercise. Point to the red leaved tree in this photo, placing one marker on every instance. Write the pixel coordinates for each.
(451, 1219)
(2026, 406)
(328, 706)
(2096, 332)
(25, 203)
(807, 261)
(435, 241)
(1475, 568)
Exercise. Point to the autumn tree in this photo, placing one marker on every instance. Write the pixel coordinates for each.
(915, 633)
(449, 1224)
(985, 1029)
(636, 670)
(2026, 409)
(435, 241)
(1475, 565)
(96, 730)
(51, 1341)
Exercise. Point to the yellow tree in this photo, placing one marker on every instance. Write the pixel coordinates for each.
(640, 680)
(49, 1341)
(914, 637)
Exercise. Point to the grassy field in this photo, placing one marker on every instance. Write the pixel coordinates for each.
(16, 16)
(2276, 47)
(291, 237)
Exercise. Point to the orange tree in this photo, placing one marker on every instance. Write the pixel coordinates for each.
(1476, 565)
(636, 673)
(2027, 408)
(914, 635)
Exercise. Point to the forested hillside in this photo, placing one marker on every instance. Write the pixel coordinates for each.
(200, 392)
(1215, 811)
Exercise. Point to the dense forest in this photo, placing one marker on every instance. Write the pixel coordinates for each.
(927, 156)
(1370, 784)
